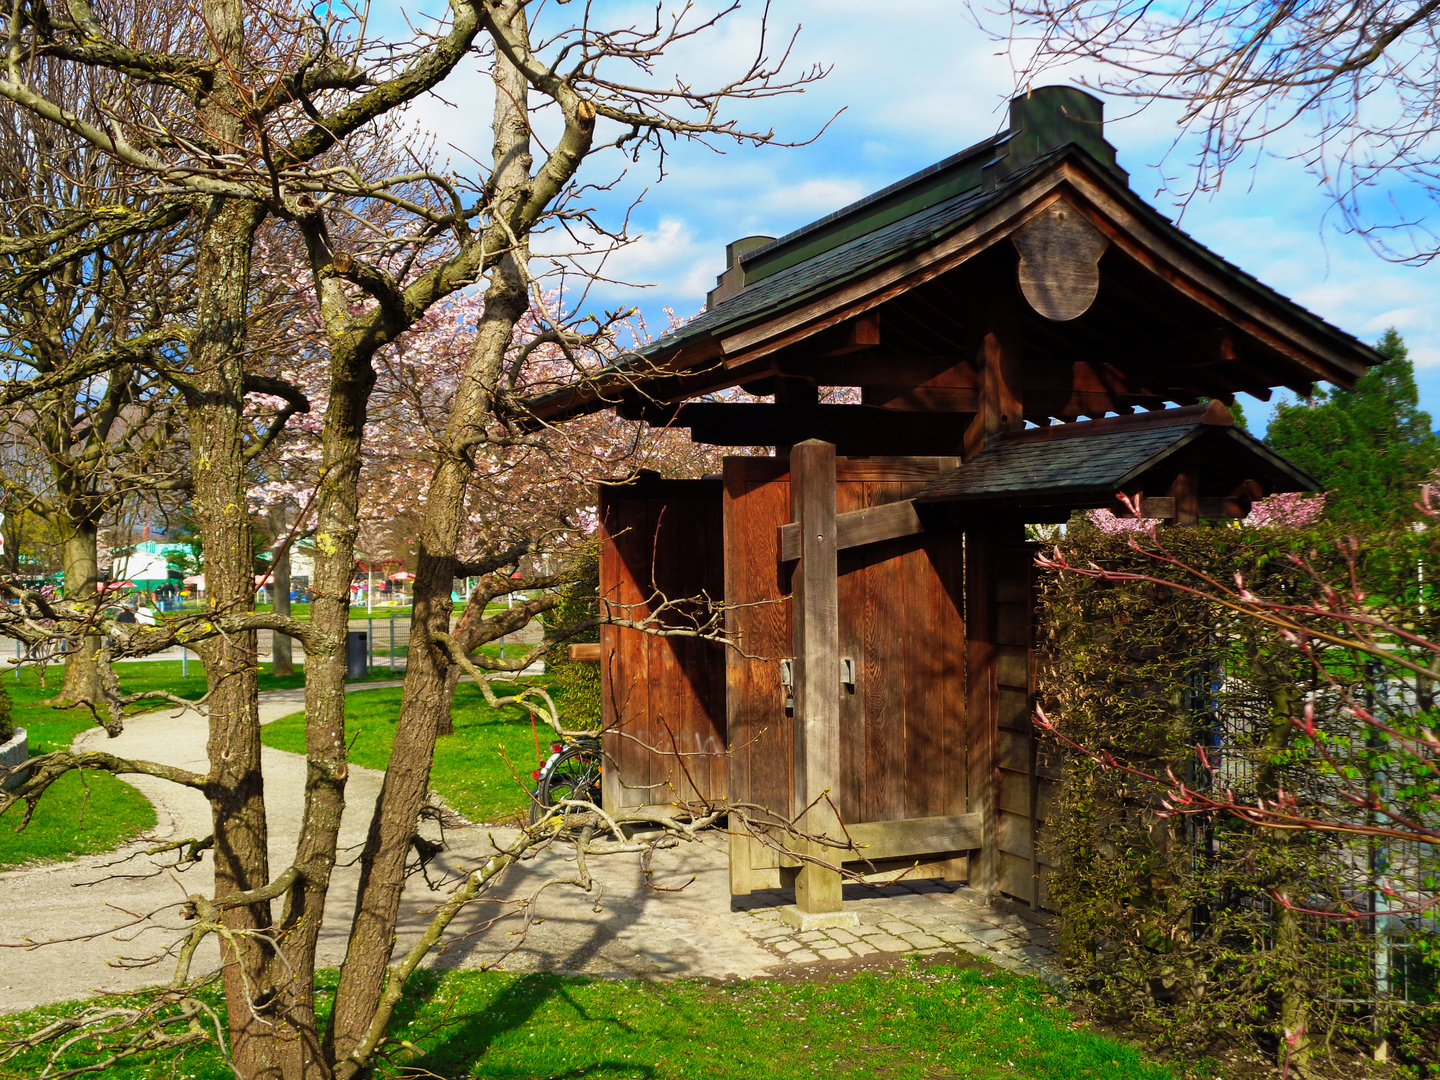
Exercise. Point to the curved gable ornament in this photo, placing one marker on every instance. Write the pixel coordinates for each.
(1060, 262)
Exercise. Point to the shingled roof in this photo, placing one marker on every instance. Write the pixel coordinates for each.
(829, 267)
(776, 291)
(1088, 462)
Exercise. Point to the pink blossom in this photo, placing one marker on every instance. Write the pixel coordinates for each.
(1107, 522)
(1287, 510)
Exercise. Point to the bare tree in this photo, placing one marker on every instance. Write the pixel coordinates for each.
(272, 117)
(1350, 90)
(92, 285)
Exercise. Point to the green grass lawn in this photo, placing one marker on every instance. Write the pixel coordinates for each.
(81, 813)
(916, 1022)
(470, 772)
(85, 813)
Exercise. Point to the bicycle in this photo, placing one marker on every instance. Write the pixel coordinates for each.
(572, 771)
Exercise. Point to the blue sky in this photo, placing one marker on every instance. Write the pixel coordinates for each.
(918, 81)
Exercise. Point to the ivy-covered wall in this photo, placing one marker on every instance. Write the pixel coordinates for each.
(1172, 923)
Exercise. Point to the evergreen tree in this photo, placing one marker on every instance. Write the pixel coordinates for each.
(1370, 447)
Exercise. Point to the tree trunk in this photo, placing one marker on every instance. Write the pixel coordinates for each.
(351, 378)
(80, 561)
(425, 705)
(266, 1042)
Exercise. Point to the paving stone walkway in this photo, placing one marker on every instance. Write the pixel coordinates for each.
(670, 916)
(919, 916)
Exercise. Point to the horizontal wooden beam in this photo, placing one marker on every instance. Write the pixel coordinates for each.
(879, 365)
(589, 651)
(1164, 507)
(909, 837)
(957, 399)
(859, 527)
(856, 431)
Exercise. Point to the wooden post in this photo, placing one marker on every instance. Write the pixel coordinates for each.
(815, 622)
(1000, 404)
(981, 716)
(1000, 407)
(1186, 492)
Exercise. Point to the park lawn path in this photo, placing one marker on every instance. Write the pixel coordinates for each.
(89, 911)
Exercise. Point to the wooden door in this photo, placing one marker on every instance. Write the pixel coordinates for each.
(663, 698)
(903, 785)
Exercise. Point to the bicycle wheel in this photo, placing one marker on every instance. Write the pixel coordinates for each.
(574, 775)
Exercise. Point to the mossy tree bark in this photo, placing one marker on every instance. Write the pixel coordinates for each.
(263, 1033)
(81, 567)
(429, 688)
(271, 1031)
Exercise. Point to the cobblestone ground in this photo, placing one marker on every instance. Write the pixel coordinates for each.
(908, 917)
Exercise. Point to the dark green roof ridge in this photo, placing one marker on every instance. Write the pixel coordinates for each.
(1041, 122)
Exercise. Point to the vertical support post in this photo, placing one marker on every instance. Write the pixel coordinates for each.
(1001, 405)
(369, 643)
(392, 643)
(1000, 408)
(184, 662)
(981, 701)
(815, 622)
(1186, 492)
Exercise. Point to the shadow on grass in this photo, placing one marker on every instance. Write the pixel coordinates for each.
(472, 1024)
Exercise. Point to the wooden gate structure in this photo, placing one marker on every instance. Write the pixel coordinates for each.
(1014, 335)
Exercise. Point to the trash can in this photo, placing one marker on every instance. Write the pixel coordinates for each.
(355, 650)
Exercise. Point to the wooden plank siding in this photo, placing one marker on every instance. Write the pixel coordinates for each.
(757, 618)
(901, 727)
(662, 698)
(1024, 795)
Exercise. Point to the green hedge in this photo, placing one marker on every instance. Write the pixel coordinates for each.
(1170, 922)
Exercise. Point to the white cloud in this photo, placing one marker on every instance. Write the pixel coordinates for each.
(1425, 356)
(816, 197)
(919, 82)
(669, 254)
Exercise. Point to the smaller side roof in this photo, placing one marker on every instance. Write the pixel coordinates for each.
(1085, 464)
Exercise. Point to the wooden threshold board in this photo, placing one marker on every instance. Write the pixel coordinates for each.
(915, 836)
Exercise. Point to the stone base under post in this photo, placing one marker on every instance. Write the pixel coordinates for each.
(816, 920)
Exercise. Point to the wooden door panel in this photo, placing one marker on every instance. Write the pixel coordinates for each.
(902, 742)
(663, 701)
